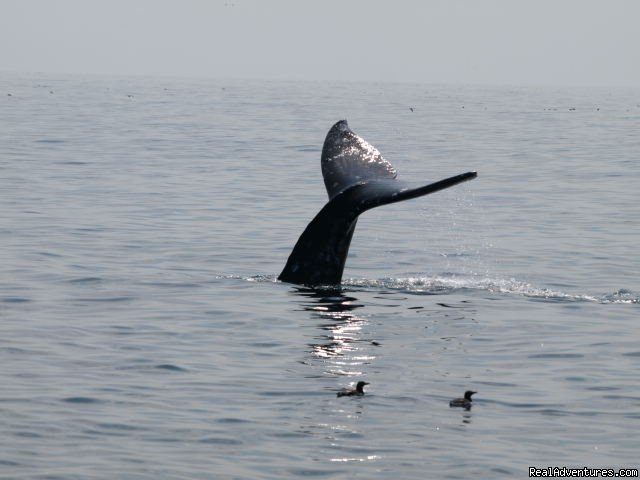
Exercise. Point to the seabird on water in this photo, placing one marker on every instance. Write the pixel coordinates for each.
(463, 402)
(358, 391)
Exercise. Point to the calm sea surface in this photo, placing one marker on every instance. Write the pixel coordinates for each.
(143, 333)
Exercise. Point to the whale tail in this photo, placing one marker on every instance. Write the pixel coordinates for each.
(357, 179)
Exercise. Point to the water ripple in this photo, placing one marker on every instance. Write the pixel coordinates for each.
(449, 284)
(82, 400)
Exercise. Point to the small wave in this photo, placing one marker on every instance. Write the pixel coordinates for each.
(119, 426)
(170, 367)
(550, 356)
(15, 300)
(50, 140)
(123, 298)
(85, 280)
(450, 284)
(262, 278)
(81, 400)
(220, 441)
(621, 296)
(445, 284)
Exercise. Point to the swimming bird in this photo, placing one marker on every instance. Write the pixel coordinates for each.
(463, 402)
(358, 391)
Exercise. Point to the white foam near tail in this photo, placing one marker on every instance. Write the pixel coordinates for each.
(449, 284)
(440, 285)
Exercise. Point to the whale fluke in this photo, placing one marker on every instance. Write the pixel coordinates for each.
(357, 179)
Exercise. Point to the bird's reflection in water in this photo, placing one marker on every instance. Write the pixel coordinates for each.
(341, 339)
(466, 417)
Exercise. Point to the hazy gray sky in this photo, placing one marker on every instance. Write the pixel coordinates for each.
(558, 42)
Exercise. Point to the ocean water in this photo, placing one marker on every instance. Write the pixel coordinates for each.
(143, 333)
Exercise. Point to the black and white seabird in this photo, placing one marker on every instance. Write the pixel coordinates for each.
(358, 391)
(463, 402)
